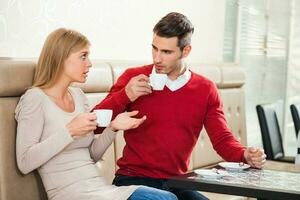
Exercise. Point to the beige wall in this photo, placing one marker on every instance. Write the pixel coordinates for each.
(118, 29)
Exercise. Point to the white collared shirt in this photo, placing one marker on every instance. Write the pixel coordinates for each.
(179, 82)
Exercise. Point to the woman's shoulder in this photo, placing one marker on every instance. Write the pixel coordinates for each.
(33, 96)
(31, 100)
(33, 93)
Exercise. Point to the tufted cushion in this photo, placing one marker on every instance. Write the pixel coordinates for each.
(211, 72)
(15, 77)
(118, 67)
(234, 109)
(99, 78)
(232, 76)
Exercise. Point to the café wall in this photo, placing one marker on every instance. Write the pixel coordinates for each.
(118, 29)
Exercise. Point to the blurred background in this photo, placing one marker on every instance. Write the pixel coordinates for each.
(262, 36)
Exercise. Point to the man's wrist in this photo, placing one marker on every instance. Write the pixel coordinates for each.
(244, 157)
(124, 97)
(129, 96)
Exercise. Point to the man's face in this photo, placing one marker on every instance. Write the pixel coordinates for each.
(167, 56)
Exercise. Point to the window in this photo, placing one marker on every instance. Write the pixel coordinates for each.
(256, 35)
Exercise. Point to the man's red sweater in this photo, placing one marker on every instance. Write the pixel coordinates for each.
(161, 147)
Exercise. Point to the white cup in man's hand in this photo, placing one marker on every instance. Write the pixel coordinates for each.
(158, 81)
(103, 117)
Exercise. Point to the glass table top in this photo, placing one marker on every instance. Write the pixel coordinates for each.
(265, 179)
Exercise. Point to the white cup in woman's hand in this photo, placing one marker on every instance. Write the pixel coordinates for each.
(103, 117)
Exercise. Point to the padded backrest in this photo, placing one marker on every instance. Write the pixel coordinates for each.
(295, 110)
(12, 182)
(270, 131)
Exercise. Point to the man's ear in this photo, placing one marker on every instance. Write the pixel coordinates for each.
(186, 51)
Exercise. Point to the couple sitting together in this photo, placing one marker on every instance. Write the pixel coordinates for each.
(58, 135)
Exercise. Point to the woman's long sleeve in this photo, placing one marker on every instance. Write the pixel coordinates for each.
(101, 141)
(31, 151)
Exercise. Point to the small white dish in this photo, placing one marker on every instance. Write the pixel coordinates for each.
(211, 173)
(234, 166)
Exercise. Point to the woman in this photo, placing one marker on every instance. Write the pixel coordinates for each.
(55, 128)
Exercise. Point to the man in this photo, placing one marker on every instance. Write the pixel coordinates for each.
(161, 147)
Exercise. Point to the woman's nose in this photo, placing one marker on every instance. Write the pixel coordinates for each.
(89, 63)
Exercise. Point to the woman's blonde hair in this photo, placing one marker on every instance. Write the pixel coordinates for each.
(57, 47)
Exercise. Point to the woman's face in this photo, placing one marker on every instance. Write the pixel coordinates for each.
(77, 65)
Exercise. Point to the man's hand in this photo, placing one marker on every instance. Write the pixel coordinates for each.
(138, 86)
(255, 157)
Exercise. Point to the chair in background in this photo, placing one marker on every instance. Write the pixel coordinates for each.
(270, 132)
(295, 109)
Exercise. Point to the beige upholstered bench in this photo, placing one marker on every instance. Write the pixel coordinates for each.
(16, 76)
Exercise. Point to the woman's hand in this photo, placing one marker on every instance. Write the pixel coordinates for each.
(82, 124)
(125, 121)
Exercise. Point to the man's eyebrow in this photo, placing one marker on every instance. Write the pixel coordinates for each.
(169, 50)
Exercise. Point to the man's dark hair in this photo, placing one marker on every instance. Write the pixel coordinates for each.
(175, 25)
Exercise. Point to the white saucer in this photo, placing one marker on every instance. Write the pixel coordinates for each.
(234, 166)
(211, 173)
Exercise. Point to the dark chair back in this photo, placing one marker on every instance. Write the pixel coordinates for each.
(270, 131)
(295, 110)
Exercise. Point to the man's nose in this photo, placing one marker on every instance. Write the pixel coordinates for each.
(157, 58)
